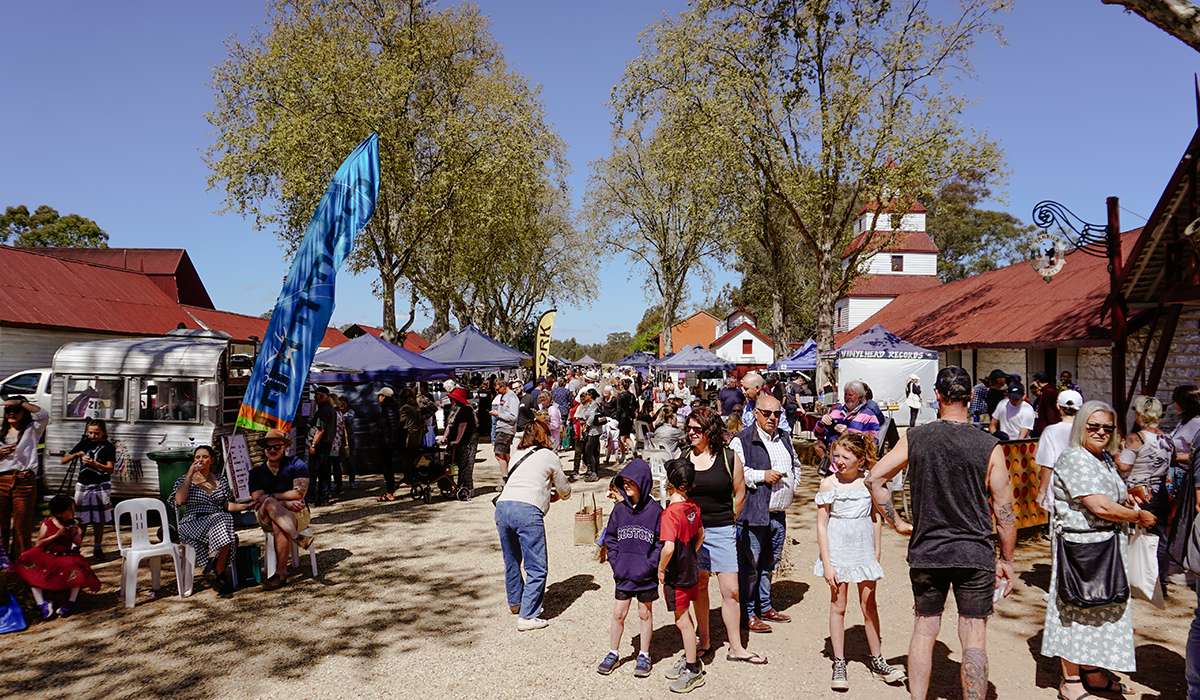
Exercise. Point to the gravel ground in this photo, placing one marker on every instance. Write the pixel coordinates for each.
(410, 603)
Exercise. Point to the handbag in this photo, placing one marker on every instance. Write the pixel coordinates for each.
(1090, 574)
(248, 571)
(11, 617)
(1143, 567)
(589, 522)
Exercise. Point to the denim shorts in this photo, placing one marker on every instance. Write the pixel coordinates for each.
(973, 591)
(718, 554)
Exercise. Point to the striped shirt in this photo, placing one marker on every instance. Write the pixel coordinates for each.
(858, 420)
(782, 461)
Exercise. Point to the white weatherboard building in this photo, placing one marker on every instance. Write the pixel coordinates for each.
(908, 263)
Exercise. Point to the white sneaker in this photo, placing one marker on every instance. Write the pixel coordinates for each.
(536, 623)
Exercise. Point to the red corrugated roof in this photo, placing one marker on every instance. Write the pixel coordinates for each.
(43, 291)
(1011, 307)
(241, 326)
(413, 342)
(722, 340)
(892, 285)
(170, 268)
(901, 242)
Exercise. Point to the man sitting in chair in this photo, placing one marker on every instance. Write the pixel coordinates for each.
(277, 489)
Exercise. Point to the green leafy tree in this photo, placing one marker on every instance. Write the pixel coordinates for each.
(971, 240)
(837, 105)
(45, 228)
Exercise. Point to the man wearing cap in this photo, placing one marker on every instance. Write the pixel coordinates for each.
(997, 390)
(1013, 419)
(1053, 442)
(504, 410)
(461, 439)
(952, 469)
(321, 425)
(277, 490)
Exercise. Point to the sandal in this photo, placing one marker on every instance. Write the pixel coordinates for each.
(1108, 686)
(386, 498)
(753, 659)
(1085, 696)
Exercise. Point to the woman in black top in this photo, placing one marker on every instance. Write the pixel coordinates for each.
(719, 491)
(93, 487)
(483, 416)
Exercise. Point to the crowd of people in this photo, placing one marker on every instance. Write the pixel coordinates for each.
(731, 477)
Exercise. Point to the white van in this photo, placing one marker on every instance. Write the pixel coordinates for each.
(33, 384)
(153, 394)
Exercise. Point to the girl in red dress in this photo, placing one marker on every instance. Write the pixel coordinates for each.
(54, 562)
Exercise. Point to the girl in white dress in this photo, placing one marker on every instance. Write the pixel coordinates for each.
(849, 533)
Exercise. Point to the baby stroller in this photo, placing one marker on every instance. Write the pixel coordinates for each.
(433, 468)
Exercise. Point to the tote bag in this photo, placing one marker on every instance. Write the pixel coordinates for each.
(1142, 555)
(589, 522)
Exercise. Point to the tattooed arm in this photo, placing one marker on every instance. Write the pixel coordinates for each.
(877, 482)
(1006, 519)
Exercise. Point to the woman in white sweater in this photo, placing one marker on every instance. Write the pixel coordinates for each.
(535, 480)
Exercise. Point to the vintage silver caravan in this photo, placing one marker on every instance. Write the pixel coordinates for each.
(153, 393)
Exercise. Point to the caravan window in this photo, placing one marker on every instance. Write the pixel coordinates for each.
(94, 397)
(169, 400)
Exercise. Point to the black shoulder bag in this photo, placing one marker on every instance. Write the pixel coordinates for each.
(1091, 574)
(524, 457)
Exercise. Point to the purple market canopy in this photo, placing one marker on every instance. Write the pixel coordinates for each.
(637, 358)
(586, 361)
(471, 349)
(804, 359)
(878, 342)
(696, 358)
(372, 359)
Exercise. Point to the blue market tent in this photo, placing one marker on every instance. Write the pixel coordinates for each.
(586, 361)
(367, 358)
(696, 358)
(635, 359)
(470, 349)
(659, 361)
(803, 360)
(886, 362)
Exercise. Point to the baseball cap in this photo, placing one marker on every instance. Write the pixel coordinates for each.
(1069, 398)
(1015, 390)
(953, 382)
(385, 391)
(321, 390)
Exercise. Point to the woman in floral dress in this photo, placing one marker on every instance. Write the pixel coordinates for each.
(1088, 494)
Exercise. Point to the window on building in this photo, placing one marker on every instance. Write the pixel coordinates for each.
(838, 324)
(747, 347)
(169, 400)
(95, 397)
(897, 263)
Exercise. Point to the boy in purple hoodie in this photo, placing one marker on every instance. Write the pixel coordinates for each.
(633, 551)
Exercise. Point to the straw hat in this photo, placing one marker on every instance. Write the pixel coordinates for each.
(274, 434)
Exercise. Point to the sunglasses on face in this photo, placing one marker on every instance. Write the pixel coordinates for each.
(1102, 429)
(272, 448)
(769, 414)
(694, 428)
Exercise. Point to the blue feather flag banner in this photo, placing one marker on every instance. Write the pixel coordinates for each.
(305, 304)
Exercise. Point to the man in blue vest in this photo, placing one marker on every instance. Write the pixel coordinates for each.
(771, 471)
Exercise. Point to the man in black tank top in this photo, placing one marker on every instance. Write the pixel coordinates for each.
(953, 467)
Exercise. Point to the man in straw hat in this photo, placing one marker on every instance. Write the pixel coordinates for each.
(278, 488)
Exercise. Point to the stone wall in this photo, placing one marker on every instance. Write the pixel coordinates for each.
(1007, 359)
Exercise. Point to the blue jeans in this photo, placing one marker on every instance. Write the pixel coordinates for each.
(760, 549)
(1192, 662)
(523, 537)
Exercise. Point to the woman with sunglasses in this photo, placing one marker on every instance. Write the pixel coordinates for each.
(719, 491)
(206, 523)
(1090, 495)
(19, 437)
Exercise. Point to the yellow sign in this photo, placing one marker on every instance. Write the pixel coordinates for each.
(541, 352)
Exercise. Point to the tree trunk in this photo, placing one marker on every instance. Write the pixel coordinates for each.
(1179, 18)
(668, 321)
(778, 327)
(389, 306)
(441, 317)
(825, 313)
(402, 332)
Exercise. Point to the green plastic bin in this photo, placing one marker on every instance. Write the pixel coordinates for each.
(172, 464)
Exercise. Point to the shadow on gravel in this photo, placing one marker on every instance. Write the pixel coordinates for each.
(560, 595)
(945, 680)
(785, 594)
(1037, 577)
(376, 592)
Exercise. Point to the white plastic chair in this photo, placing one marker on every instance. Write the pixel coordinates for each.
(141, 547)
(657, 459)
(312, 553)
(641, 431)
(187, 575)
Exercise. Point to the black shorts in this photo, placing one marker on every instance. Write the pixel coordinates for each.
(647, 596)
(502, 445)
(973, 591)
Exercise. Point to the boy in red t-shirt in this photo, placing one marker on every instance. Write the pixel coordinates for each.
(678, 569)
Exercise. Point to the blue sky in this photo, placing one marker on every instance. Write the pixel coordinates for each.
(105, 118)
